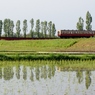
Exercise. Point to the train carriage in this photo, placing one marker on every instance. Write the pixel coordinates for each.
(75, 33)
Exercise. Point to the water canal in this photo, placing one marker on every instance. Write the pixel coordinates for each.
(44, 79)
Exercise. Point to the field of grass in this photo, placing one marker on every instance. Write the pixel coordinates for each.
(84, 44)
(37, 45)
(55, 45)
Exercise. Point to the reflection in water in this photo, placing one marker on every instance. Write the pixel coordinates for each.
(49, 72)
(0, 73)
(18, 72)
(8, 73)
(46, 78)
(37, 71)
(79, 75)
(53, 71)
(87, 79)
(80, 78)
(31, 74)
(44, 72)
(24, 73)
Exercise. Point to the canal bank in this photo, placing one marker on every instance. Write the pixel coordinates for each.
(48, 56)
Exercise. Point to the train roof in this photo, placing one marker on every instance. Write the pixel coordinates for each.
(78, 30)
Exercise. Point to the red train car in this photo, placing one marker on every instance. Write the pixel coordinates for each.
(75, 33)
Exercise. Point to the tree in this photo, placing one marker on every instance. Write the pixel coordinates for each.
(32, 25)
(53, 30)
(11, 28)
(42, 28)
(7, 27)
(50, 28)
(1, 27)
(45, 28)
(80, 24)
(88, 21)
(25, 27)
(37, 29)
(18, 28)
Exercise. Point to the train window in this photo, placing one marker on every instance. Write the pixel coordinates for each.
(63, 32)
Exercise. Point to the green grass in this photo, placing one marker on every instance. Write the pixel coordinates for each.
(55, 45)
(84, 44)
(37, 45)
(32, 47)
(46, 57)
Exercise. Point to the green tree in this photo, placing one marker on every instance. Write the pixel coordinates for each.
(25, 27)
(88, 21)
(50, 28)
(32, 25)
(53, 30)
(11, 28)
(42, 28)
(1, 27)
(18, 28)
(7, 27)
(45, 28)
(37, 29)
(80, 24)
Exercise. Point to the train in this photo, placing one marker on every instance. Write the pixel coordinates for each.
(75, 33)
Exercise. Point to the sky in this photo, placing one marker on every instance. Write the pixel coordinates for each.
(63, 13)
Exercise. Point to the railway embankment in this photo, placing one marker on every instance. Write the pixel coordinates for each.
(58, 49)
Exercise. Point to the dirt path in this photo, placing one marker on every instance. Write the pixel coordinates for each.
(69, 52)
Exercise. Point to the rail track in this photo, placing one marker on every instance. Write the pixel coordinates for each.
(22, 38)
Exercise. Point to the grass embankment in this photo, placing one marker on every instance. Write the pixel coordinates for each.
(77, 44)
(37, 45)
(27, 49)
(83, 44)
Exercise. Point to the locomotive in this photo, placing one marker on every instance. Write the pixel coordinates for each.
(75, 33)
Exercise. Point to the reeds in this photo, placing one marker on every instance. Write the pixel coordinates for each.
(46, 57)
(63, 65)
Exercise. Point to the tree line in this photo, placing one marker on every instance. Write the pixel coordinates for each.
(42, 29)
(80, 23)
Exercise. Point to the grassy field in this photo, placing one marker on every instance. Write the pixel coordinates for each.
(86, 44)
(37, 45)
(55, 45)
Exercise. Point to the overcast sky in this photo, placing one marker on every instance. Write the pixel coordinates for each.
(64, 13)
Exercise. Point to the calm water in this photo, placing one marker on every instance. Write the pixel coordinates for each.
(45, 80)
